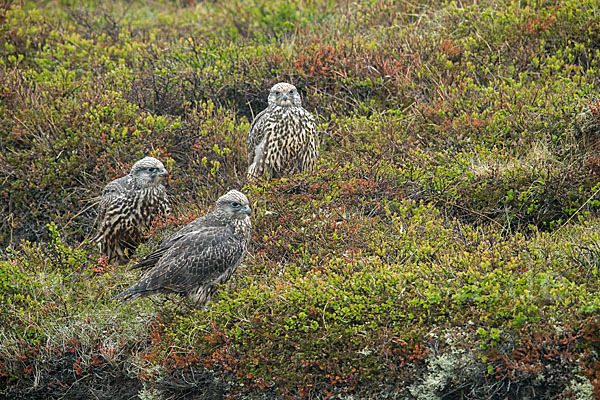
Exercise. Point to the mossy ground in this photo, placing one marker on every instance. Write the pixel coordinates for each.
(445, 246)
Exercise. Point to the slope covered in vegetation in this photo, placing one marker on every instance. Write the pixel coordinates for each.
(446, 245)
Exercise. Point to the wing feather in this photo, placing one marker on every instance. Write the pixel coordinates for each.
(199, 257)
(113, 196)
(255, 134)
(151, 259)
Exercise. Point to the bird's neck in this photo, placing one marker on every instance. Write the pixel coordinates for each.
(227, 219)
(140, 185)
(243, 227)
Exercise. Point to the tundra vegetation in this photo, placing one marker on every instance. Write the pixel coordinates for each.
(444, 247)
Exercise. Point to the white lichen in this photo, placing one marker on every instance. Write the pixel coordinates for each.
(442, 370)
(149, 393)
(580, 386)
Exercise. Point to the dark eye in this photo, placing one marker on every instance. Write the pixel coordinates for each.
(152, 169)
(235, 204)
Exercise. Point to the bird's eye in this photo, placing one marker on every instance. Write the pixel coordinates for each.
(152, 169)
(235, 204)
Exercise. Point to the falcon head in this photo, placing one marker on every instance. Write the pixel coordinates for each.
(148, 172)
(284, 95)
(234, 204)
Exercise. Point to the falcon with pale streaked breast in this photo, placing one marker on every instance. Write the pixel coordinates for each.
(128, 207)
(282, 139)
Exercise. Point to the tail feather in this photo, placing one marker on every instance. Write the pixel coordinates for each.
(127, 295)
(146, 262)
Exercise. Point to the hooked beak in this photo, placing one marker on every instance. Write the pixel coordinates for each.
(247, 210)
(286, 100)
(162, 176)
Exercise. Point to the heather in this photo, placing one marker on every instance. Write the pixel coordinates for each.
(444, 247)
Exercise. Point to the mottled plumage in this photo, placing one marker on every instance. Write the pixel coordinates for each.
(128, 206)
(283, 138)
(204, 253)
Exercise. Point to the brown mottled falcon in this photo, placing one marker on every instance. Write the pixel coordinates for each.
(204, 253)
(128, 206)
(283, 138)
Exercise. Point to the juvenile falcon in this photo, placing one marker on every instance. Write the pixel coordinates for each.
(204, 253)
(283, 138)
(128, 206)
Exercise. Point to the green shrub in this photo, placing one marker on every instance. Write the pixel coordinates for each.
(444, 246)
